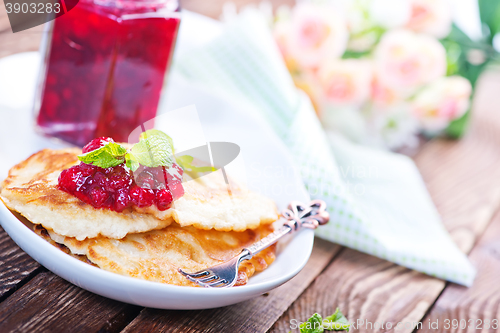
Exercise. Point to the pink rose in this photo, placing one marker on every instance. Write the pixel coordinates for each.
(281, 32)
(381, 95)
(432, 17)
(345, 82)
(316, 32)
(442, 101)
(405, 60)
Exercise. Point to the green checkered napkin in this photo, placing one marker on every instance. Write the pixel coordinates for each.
(377, 200)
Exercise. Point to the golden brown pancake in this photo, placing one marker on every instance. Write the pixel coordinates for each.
(157, 255)
(31, 189)
(42, 232)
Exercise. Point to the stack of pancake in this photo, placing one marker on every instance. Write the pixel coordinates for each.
(205, 227)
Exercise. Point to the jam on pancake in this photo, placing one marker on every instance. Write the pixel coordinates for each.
(117, 187)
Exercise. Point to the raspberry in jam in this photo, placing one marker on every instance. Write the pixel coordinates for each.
(118, 188)
(96, 144)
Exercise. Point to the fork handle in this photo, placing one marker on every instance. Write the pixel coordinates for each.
(268, 240)
(297, 216)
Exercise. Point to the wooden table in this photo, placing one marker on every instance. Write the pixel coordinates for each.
(464, 181)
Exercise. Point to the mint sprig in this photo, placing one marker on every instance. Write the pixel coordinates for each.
(154, 149)
(109, 155)
(131, 162)
(316, 324)
(337, 322)
(312, 325)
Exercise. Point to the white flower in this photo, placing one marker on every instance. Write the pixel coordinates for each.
(442, 101)
(405, 60)
(345, 82)
(365, 18)
(316, 32)
(357, 15)
(393, 127)
(362, 35)
(390, 14)
(432, 17)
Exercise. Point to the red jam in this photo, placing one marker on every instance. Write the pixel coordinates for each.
(105, 68)
(118, 188)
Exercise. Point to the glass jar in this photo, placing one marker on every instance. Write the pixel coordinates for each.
(105, 63)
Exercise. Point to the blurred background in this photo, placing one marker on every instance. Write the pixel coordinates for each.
(385, 73)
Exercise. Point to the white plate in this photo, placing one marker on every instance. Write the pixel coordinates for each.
(269, 171)
(153, 294)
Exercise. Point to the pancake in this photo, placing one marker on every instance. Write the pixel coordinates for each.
(31, 189)
(42, 232)
(156, 255)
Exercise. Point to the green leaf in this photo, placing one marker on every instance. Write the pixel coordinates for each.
(312, 325)
(458, 47)
(109, 155)
(354, 54)
(459, 36)
(154, 149)
(457, 128)
(453, 56)
(337, 322)
(131, 162)
(489, 11)
(155, 132)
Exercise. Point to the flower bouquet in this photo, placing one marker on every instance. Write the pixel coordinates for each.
(386, 72)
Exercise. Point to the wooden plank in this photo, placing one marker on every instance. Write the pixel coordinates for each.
(464, 180)
(15, 265)
(22, 41)
(256, 315)
(10, 43)
(52, 304)
(4, 19)
(478, 304)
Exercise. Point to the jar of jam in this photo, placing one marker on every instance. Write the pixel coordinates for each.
(105, 63)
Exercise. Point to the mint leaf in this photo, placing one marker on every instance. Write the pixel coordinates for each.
(154, 149)
(109, 155)
(131, 162)
(312, 325)
(337, 322)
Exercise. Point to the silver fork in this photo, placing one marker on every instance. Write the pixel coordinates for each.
(297, 216)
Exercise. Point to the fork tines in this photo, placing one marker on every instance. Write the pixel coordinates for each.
(206, 278)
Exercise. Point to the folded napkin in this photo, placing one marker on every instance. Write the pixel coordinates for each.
(377, 200)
